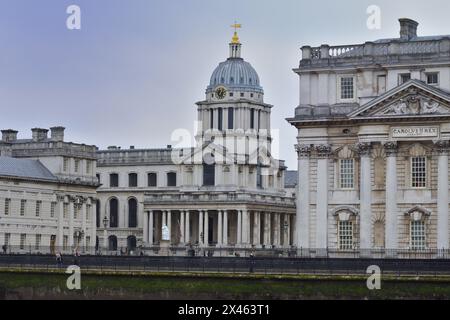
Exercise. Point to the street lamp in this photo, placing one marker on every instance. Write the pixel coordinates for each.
(105, 235)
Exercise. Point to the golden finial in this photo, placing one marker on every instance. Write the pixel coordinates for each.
(235, 38)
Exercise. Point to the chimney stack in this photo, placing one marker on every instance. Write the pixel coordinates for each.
(39, 134)
(57, 133)
(408, 29)
(9, 135)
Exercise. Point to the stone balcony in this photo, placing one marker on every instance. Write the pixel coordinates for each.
(390, 51)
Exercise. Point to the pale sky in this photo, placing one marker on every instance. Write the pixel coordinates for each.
(132, 74)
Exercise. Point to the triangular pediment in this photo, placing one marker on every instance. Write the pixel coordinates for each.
(413, 98)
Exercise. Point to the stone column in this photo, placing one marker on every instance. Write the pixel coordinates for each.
(225, 227)
(245, 227)
(187, 233)
(323, 153)
(286, 230)
(71, 213)
(256, 228)
(164, 218)
(206, 227)
(169, 223)
(301, 236)
(219, 228)
(239, 227)
(442, 195)
(182, 227)
(200, 227)
(276, 229)
(267, 228)
(365, 234)
(60, 221)
(391, 195)
(145, 228)
(151, 227)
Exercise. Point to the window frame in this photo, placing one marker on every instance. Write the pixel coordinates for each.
(417, 242)
(148, 179)
(425, 172)
(168, 184)
(401, 75)
(111, 181)
(353, 173)
(339, 88)
(130, 175)
(346, 243)
(428, 74)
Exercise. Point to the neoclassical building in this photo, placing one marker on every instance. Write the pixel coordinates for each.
(373, 140)
(226, 192)
(47, 193)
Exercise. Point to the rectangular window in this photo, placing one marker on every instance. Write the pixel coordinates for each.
(211, 119)
(52, 209)
(220, 127)
(38, 242)
(345, 235)
(7, 206)
(7, 239)
(133, 180)
(347, 85)
(113, 180)
(66, 165)
(23, 204)
(404, 77)
(252, 119)
(65, 210)
(38, 208)
(418, 172)
(77, 165)
(418, 239)
(23, 239)
(347, 173)
(65, 242)
(152, 179)
(230, 118)
(433, 78)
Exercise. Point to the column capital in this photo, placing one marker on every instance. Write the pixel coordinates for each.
(390, 148)
(323, 150)
(441, 146)
(303, 150)
(364, 148)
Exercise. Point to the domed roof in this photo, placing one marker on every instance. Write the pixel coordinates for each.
(235, 74)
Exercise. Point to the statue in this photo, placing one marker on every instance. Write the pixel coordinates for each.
(430, 107)
(165, 233)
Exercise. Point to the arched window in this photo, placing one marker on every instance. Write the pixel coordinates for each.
(113, 213)
(132, 213)
(133, 180)
(152, 179)
(131, 243)
(171, 179)
(112, 243)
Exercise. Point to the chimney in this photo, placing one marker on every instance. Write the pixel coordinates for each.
(9, 135)
(408, 29)
(39, 134)
(57, 133)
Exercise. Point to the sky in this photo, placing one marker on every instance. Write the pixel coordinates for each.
(133, 72)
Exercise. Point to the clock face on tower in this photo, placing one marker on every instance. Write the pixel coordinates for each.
(221, 92)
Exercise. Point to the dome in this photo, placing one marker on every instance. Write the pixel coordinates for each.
(235, 74)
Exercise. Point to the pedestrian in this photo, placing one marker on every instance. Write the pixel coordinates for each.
(4, 248)
(58, 259)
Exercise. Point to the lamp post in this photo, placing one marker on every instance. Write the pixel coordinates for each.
(105, 232)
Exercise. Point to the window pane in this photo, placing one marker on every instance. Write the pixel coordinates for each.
(132, 213)
(230, 118)
(113, 213)
(209, 173)
(418, 172)
(171, 179)
(345, 235)
(132, 180)
(432, 78)
(114, 180)
(347, 88)
(347, 173)
(418, 241)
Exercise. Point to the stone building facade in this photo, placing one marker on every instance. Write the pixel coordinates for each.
(47, 193)
(227, 192)
(373, 139)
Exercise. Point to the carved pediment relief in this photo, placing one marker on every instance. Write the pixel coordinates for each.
(415, 99)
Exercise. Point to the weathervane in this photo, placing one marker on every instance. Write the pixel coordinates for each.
(236, 26)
